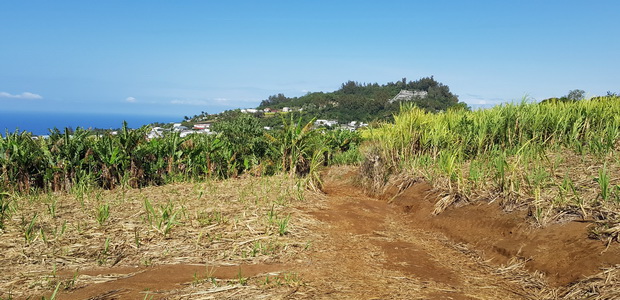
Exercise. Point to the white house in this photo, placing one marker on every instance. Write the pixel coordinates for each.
(179, 128)
(201, 126)
(329, 123)
(156, 132)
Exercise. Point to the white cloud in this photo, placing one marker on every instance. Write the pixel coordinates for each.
(476, 100)
(479, 102)
(130, 99)
(24, 95)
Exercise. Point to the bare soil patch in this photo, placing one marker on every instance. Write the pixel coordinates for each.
(366, 249)
(141, 282)
(563, 251)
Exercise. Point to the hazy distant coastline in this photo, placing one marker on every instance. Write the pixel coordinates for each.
(39, 122)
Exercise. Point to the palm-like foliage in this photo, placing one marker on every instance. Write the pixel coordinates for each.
(21, 161)
(296, 144)
(80, 158)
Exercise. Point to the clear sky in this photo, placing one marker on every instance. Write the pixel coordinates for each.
(184, 57)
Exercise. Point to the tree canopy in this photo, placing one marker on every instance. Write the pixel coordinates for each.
(365, 102)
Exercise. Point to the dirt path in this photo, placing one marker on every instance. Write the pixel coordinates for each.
(368, 250)
(397, 249)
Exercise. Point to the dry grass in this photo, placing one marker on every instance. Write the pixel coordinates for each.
(558, 186)
(240, 221)
(526, 284)
(600, 286)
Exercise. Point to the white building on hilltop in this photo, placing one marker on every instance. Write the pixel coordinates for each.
(405, 95)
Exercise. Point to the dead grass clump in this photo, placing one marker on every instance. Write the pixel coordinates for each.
(528, 285)
(374, 171)
(604, 285)
(534, 283)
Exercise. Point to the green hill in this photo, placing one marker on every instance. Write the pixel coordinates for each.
(367, 102)
(354, 101)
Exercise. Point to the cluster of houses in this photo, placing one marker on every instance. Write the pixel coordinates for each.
(200, 128)
(351, 126)
(268, 110)
(205, 127)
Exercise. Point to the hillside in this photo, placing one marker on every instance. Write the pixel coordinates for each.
(366, 102)
(354, 101)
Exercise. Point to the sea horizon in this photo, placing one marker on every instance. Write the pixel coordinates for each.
(40, 123)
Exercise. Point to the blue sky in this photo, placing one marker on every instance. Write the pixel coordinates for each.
(184, 57)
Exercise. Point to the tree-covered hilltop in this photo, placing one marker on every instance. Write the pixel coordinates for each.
(354, 101)
(366, 102)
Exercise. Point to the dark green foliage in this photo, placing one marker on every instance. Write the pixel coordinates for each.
(274, 100)
(576, 95)
(80, 158)
(4, 208)
(573, 95)
(244, 141)
(367, 102)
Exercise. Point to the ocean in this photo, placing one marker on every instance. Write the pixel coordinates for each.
(39, 123)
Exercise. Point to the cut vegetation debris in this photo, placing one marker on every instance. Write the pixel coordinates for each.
(214, 224)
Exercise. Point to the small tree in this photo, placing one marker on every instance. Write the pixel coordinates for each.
(576, 95)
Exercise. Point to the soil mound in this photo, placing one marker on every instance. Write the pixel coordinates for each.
(563, 252)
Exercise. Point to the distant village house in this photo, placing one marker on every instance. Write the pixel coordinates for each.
(329, 123)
